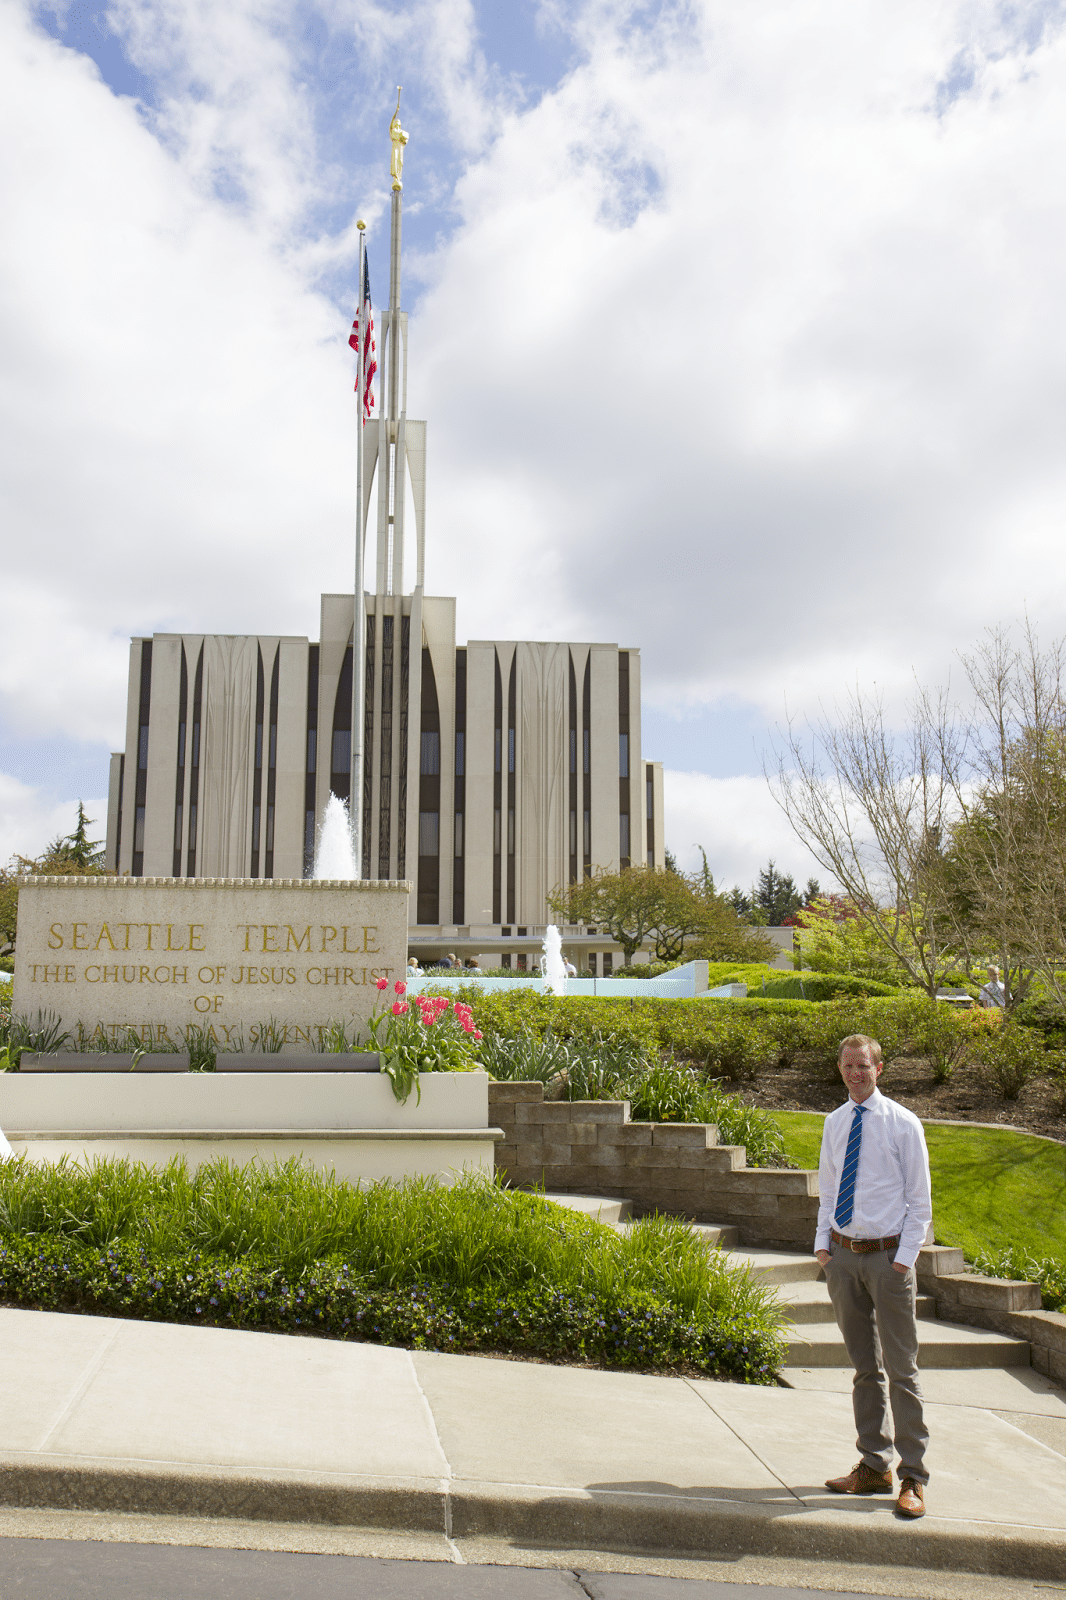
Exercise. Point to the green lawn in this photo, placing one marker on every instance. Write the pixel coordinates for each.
(992, 1189)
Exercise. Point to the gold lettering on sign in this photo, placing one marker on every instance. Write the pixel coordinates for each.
(77, 930)
(55, 937)
(328, 936)
(105, 933)
(270, 933)
(296, 941)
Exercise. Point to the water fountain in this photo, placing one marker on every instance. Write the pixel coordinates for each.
(552, 965)
(334, 856)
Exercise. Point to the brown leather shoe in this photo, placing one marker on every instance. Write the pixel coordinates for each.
(911, 1502)
(862, 1480)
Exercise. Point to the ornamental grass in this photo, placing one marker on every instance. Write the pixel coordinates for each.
(462, 1268)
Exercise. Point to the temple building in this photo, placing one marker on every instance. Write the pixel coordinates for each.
(487, 774)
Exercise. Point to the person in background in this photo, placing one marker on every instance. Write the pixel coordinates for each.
(413, 969)
(571, 970)
(993, 993)
(873, 1217)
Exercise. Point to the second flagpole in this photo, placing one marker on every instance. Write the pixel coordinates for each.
(355, 793)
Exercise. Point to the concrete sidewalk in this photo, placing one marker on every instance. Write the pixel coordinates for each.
(102, 1414)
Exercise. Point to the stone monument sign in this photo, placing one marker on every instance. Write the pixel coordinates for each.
(230, 955)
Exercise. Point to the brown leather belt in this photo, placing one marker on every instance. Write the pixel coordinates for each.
(863, 1247)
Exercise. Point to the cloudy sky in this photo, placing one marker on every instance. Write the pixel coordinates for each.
(739, 329)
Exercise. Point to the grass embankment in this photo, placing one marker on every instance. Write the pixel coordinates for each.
(994, 1191)
(293, 1250)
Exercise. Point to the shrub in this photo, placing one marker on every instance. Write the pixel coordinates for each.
(1056, 1068)
(1008, 1062)
(789, 1034)
(1046, 1017)
(291, 1249)
(940, 1034)
(740, 1052)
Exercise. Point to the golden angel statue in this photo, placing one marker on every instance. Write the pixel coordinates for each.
(399, 139)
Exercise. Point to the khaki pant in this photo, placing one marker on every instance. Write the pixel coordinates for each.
(875, 1312)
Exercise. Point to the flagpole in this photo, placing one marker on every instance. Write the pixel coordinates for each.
(355, 793)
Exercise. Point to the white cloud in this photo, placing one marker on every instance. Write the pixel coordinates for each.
(746, 347)
(30, 818)
(738, 823)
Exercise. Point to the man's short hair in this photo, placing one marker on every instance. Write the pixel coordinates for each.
(860, 1041)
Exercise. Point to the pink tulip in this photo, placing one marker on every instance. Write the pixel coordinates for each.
(399, 1007)
(382, 983)
(400, 988)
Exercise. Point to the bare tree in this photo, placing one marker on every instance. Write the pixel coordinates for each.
(949, 837)
(874, 807)
(1006, 865)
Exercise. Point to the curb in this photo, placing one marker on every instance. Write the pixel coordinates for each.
(637, 1520)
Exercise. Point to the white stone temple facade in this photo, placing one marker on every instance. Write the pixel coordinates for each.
(489, 772)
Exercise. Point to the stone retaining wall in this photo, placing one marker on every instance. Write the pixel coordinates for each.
(592, 1147)
(1002, 1304)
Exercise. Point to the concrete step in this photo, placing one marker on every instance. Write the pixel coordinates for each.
(777, 1266)
(716, 1235)
(941, 1344)
(611, 1212)
(810, 1302)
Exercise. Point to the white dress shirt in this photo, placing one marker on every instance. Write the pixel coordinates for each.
(892, 1190)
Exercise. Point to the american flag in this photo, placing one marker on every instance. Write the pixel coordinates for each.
(370, 365)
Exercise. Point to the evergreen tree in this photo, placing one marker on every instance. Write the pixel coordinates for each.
(705, 877)
(76, 850)
(776, 895)
(740, 901)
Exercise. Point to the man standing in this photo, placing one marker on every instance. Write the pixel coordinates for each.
(873, 1218)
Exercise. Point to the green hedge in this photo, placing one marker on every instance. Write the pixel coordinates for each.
(819, 986)
(700, 1030)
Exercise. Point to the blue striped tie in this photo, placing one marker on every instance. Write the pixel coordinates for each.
(846, 1191)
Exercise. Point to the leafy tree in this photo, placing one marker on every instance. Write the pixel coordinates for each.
(626, 903)
(832, 937)
(671, 863)
(676, 913)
